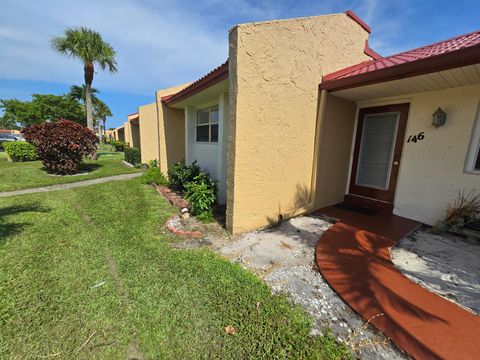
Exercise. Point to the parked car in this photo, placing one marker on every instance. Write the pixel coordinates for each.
(9, 138)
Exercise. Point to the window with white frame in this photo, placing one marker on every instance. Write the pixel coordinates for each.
(472, 164)
(207, 124)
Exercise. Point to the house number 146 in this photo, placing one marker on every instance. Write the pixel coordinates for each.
(417, 137)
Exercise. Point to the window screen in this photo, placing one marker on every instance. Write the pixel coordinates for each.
(376, 150)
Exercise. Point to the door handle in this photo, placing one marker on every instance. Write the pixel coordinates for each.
(395, 163)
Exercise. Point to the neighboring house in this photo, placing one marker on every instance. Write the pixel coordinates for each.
(277, 124)
(162, 131)
(119, 133)
(109, 134)
(132, 130)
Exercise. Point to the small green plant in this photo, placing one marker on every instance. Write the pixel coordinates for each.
(119, 145)
(153, 163)
(153, 175)
(133, 155)
(201, 193)
(206, 217)
(181, 174)
(20, 151)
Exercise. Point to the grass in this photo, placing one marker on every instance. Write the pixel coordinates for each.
(25, 175)
(89, 273)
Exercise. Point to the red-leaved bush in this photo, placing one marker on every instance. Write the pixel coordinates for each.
(61, 145)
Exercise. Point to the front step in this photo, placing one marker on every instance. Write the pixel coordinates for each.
(365, 202)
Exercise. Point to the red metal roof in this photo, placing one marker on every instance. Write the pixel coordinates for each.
(213, 77)
(458, 51)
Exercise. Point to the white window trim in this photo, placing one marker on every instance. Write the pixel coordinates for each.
(474, 147)
(209, 107)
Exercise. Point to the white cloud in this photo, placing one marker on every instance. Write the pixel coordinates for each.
(159, 42)
(155, 46)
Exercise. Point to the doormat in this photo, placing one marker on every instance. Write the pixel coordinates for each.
(358, 209)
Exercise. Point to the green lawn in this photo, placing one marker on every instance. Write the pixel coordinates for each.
(25, 175)
(88, 273)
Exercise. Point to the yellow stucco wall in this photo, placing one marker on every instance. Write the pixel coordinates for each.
(171, 130)
(134, 131)
(432, 170)
(275, 69)
(128, 133)
(334, 151)
(148, 132)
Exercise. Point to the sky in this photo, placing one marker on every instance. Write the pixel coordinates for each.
(164, 43)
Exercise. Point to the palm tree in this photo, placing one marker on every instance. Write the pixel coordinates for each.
(79, 93)
(100, 109)
(88, 46)
(101, 112)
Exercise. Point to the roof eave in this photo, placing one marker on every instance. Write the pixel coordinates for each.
(215, 77)
(459, 58)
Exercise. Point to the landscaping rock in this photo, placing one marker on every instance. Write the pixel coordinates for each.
(174, 198)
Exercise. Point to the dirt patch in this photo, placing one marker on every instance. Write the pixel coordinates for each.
(210, 233)
(133, 351)
(284, 257)
(447, 265)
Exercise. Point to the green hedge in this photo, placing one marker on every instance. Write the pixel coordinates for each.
(133, 155)
(119, 145)
(20, 151)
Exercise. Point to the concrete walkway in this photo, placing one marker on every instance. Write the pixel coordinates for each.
(70, 185)
(353, 256)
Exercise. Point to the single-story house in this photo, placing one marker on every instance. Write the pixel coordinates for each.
(251, 122)
(132, 130)
(162, 131)
(119, 133)
(304, 114)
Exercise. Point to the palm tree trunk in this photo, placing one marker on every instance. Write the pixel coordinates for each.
(104, 120)
(88, 72)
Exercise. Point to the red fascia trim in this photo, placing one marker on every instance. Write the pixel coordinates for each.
(214, 77)
(359, 21)
(454, 59)
(166, 97)
(370, 52)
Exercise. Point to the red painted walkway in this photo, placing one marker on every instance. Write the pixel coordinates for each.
(353, 256)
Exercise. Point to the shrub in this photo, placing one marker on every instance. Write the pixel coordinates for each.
(119, 145)
(206, 217)
(20, 151)
(133, 155)
(153, 175)
(180, 174)
(201, 193)
(153, 163)
(61, 145)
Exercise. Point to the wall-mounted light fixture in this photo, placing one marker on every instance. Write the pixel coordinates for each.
(439, 118)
